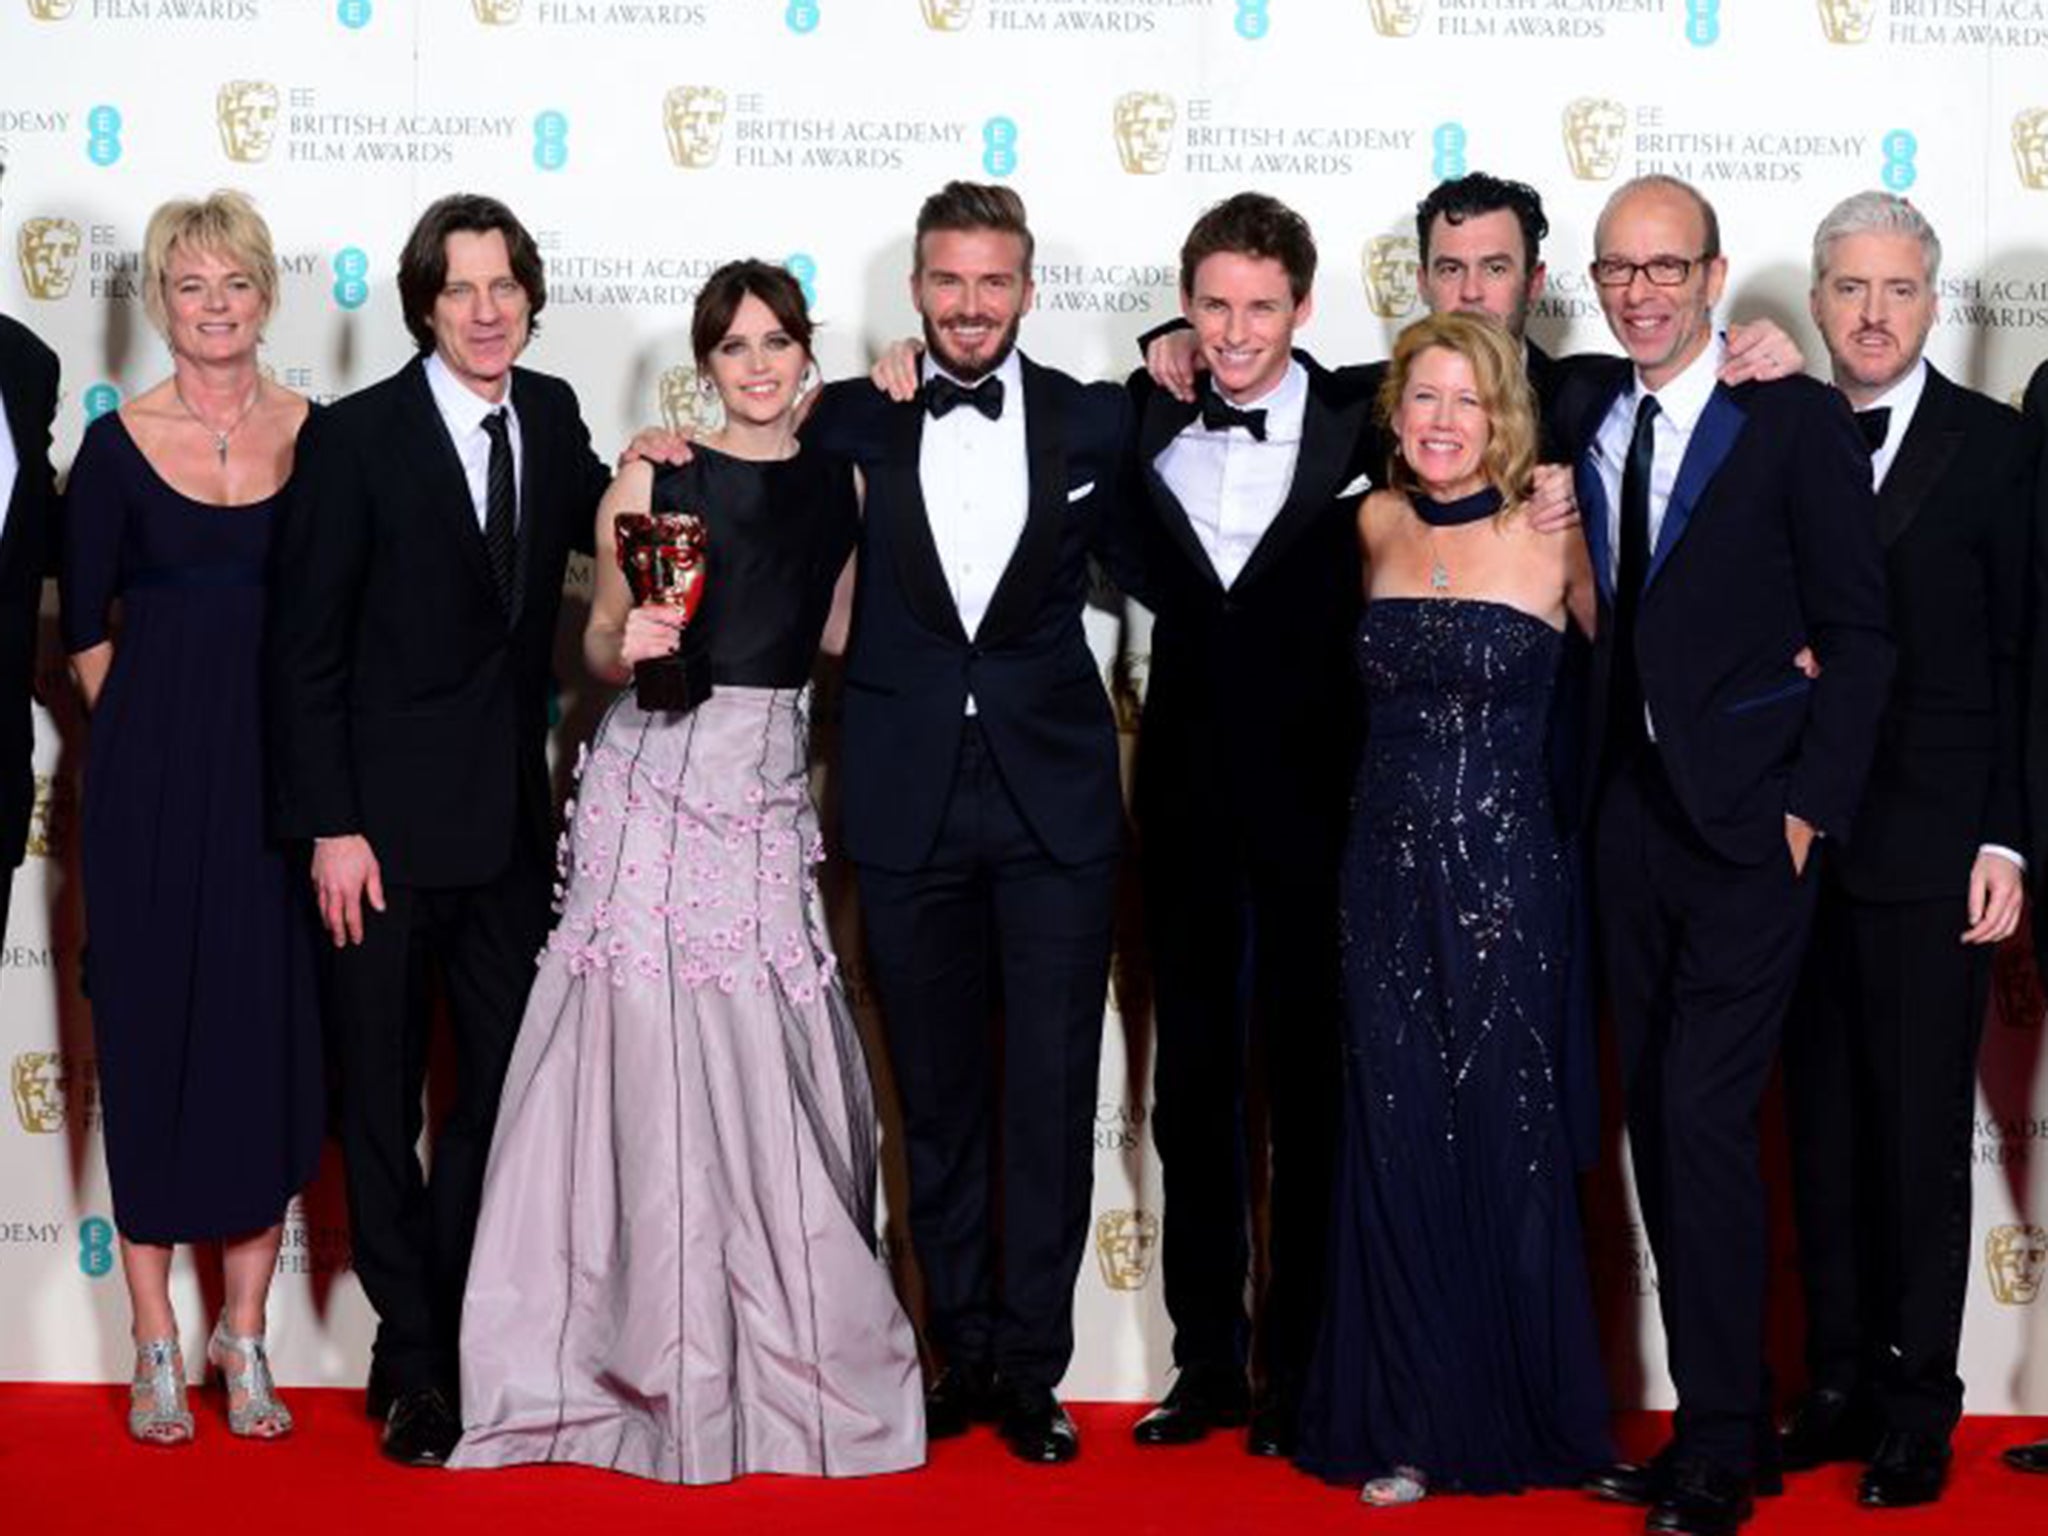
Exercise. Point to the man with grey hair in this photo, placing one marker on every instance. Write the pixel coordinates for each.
(1880, 1059)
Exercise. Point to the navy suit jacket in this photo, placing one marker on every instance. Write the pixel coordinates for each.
(910, 665)
(28, 381)
(1769, 543)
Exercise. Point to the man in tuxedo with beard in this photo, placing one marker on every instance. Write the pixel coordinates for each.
(1727, 527)
(1880, 1058)
(980, 805)
(28, 511)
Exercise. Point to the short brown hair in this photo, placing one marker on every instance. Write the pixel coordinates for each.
(727, 288)
(223, 224)
(423, 264)
(964, 206)
(1504, 394)
(1255, 225)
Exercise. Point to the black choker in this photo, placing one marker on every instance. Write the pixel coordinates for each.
(1450, 514)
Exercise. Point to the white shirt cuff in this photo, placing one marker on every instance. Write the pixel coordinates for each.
(2004, 852)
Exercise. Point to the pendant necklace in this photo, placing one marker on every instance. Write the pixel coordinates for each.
(1435, 515)
(220, 436)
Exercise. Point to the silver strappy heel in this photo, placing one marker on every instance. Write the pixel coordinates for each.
(157, 1414)
(260, 1415)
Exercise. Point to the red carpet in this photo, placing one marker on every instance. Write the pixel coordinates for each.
(66, 1465)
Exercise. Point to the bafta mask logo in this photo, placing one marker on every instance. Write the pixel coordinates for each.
(686, 405)
(48, 252)
(1392, 268)
(246, 111)
(1128, 676)
(48, 818)
(694, 116)
(1593, 132)
(2016, 1259)
(948, 15)
(2030, 148)
(51, 10)
(1397, 18)
(1125, 1245)
(37, 1079)
(1144, 131)
(496, 13)
(1848, 21)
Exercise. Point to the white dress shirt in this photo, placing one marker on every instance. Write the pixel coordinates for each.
(10, 463)
(463, 411)
(977, 490)
(1680, 403)
(1902, 400)
(1229, 483)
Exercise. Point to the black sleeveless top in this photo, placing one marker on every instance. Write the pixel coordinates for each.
(779, 534)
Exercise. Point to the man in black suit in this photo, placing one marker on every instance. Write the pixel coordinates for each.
(419, 568)
(1727, 528)
(28, 503)
(1249, 501)
(1880, 1058)
(981, 807)
(2033, 1456)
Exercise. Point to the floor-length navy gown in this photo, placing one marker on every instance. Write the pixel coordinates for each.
(1458, 1336)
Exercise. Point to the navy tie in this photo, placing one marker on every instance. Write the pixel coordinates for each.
(1625, 729)
(501, 508)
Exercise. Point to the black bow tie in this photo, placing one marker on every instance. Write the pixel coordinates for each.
(1876, 426)
(941, 394)
(1219, 415)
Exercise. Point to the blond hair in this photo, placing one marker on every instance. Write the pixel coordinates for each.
(223, 224)
(1504, 394)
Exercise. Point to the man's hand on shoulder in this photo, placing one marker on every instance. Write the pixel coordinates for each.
(895, 372)
(1170, 358)
(658, 445)
(1553, 499)
(1758, 352)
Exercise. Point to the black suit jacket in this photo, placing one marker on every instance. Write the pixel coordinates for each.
(2034, 451)
(1953, 519)
(1251, 719)
(1769, 543)
(910, 666)
(28, 381)
(402, 704)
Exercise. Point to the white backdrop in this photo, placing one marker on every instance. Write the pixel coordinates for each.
(647, 140)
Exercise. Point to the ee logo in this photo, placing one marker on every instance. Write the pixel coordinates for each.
(999, 146)
(802, 16)
(1703, 22)
(99, 399)
(351, 267)
(353, 14)
(551, 140)
(1899, 171)
(1253, 20)
(95, 1246)
(805, 270)
(103, 135)
(1448, 146)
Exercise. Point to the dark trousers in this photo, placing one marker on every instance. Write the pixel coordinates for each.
(1880, 1079)
(998, 1121)
(412, 1233)
(1702, 960)
(1244, 961)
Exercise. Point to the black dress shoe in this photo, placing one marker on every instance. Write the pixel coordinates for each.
(1824, 1426)
(962, 1395)
(1036, 1428)
(1274, 1423)
(1700, 1499)
(1628, 1482)
(1910, 1467)
(2028, 1458)
(422, 1428)
(1201, 1400)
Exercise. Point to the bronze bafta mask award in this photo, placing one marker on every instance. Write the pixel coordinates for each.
(662, 554)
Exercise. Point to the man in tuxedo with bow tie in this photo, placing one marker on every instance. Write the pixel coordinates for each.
(28, 511)
(980, 805)
(418, 565)
(1880, 1060)
(1247, 499)
(1728, 527)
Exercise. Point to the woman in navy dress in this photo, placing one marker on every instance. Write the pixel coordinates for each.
(200, 953)
(1458, 1348)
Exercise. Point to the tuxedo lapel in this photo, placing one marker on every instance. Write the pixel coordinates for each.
(1163, 421)
(1328, 437)
(1593, 490)
(1923, 458)
(1038, 547)
(900, 498)
(429, 451)
(1713, 439)
(534, 436)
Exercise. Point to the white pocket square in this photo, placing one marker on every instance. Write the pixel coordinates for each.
(1080, 490)
(1357, 487)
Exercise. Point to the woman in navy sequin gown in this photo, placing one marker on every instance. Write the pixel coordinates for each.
(1458, 1349)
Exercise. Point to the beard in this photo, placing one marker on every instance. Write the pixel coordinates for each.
(971, 370)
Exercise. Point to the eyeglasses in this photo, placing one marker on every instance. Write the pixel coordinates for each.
(1662, 271)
